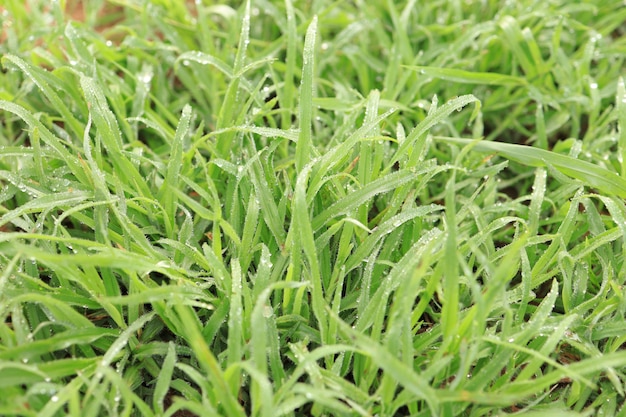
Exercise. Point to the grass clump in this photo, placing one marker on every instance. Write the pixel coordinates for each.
(284, 208)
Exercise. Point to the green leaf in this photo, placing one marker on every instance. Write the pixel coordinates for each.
(469, 77)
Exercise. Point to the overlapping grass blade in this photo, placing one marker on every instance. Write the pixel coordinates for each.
(586, 172)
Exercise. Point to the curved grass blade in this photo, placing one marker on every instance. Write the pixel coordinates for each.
(354, 200)
(586, 172)
(434, 117)
(402, 373)
(44, 81)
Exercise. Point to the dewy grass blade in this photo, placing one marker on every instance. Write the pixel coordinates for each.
(353, 200)
(331, 159)
(542, 137)
(269, 208)
(101, 218)
(231, 104)
(469, 77)
(450, 302)
(586, 172)
(106, 257)
(303, 147)
(249, 230)
(433, 118)
(384, 360)
(235, 316)
(368, 245)
(303, 232)
(165, 378)
(366, 154)
(620, 108)
(520, 46)
(287, 94)
(72, 337)
(206, 59)
(67, 395)
(110, 133)
(45, 81)
(57, 308)
(261, 314)
(191, 331)
(375, 310)
(49, 138)
(46, 202)
(166, 195)
(539, 191)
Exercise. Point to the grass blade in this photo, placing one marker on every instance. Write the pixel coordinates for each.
(303, 147)
(589, 174)
(469, 77)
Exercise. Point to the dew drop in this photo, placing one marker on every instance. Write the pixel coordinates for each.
(145, 77)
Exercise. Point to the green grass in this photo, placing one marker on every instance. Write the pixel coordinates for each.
(313, 208)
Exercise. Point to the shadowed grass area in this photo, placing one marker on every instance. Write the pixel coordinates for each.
(318, 208)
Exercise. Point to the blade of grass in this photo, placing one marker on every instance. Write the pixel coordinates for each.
(469, 77)
(620, 108)
(227, 115)
(166, 194)
(110, 133)
(45, 81)
(589, 174)
(303, 147)
(450, 301)
(165, 378)
(354, 200)
(403, 374)
(303, 232)
(287, 93)
(415, 139)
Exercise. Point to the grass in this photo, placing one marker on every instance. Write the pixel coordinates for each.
(312, 208)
